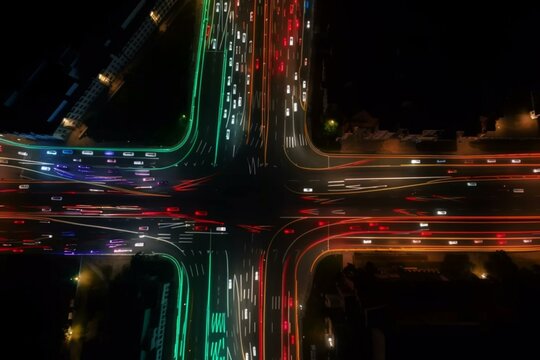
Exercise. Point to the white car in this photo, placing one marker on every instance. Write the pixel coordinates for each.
(295, 107)
(308, 24)
(536, 171)
(304, 84)
(128, 153)
(225, 113)
(24, 186)
(87, 152)
(441, 212)
(291, 41)
(251, 16)
(247, 80)
(424, 224)
(138, 162)
(415, 161)
(516, 161)
(519, 191)
(287, 112)
(45, 168)
(243, 38)
(214, 44)
(471, 183)
(56, 198)
(308, 190)
(150, 154)
(304, 96)
(295, 76)
(239, 101)
(221, 228)
(491, 161)
(22, 153)
(228, 81)
(288, 89)
(228, 134)
(234, 89)
(51, 152)
(232, 119)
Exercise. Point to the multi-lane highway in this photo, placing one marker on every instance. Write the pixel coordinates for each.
(244, 204)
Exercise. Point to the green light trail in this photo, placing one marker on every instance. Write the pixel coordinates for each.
(220, 111)
(208, 299)
(192, 118)
(218, 327)
(180, 348)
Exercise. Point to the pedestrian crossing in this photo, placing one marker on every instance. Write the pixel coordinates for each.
(166, 231)
(294, 141)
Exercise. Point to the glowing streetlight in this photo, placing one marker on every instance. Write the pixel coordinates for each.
(330, 340)
(330, 126)
(532, 113)
(105, 80)
(154, 16)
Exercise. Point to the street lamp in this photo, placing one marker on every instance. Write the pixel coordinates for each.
(330, 126)
(330, 340)
(532, 113)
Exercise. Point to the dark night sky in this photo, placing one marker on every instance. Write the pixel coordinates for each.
(436, 63)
